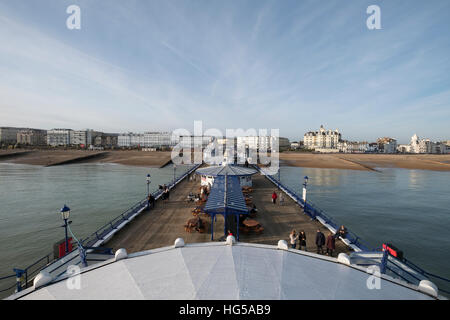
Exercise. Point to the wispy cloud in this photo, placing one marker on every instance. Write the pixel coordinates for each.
(291, 65)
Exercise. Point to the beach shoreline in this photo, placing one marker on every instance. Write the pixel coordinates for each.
(62, 157)
(360, 162)
(367, 162)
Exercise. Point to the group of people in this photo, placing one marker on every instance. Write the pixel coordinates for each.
(329, 242)
(275, 197)
(301, 237)
(165, 192)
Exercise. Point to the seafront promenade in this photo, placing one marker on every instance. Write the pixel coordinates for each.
(160, 226)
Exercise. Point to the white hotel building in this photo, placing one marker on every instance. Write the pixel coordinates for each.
(322, 139)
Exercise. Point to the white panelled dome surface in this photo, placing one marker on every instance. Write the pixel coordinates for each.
(218, 270)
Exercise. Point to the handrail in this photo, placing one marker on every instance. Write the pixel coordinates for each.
(314, 211)
(108, 227)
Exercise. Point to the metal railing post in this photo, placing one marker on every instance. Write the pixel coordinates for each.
(384, 262)
(19, 278)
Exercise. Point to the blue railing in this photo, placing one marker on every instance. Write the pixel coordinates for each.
(94, 240)
(102, 232)
(313, 211)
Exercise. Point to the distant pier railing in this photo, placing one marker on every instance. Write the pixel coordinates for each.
(104, 233)
(23, 277)
(314, 212)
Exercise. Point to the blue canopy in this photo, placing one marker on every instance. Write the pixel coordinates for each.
(226, 198)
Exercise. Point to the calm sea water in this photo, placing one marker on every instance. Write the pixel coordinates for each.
(31, 197)
(409, 208)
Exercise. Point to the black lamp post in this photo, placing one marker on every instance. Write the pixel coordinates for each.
(65, 213)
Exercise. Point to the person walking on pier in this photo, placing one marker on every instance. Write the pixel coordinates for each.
(320, 241)
(274, 197)
(302, 240)
(293, 237)
(281, 199)
(330, 244)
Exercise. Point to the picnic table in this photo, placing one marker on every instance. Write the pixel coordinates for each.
(251, 225)
(192, 224)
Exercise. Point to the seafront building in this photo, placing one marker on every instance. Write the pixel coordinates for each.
(147, 140)
(81, 138)
(352, 146)
(404, 148)
(322, 140)
(295, 145)
(418, 145)
(158, 139)
(58, 137)
(262, 142)
(32, 137)
(387, 145)
(8, 135)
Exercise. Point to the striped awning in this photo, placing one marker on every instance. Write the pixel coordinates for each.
(230, 170)
(226, 197)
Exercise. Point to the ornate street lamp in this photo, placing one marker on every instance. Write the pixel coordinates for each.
(65, 213)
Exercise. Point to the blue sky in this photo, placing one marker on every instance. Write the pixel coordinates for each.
(292, 65)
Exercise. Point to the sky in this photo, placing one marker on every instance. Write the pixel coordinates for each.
(263, 64)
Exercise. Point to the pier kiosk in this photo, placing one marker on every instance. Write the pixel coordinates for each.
(209, 174)
(226, 198)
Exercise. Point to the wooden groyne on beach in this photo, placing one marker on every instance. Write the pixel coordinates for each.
(82, 159)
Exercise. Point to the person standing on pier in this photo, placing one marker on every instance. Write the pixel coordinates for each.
(274, 197)
(281, 199)
(151, 201)
(293, 237)
(302, 240)
(330, 244)
(320, 241)
(342, 232)
(167, 191)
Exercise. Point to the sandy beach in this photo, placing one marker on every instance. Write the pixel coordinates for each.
(61, 157)
(367, 161)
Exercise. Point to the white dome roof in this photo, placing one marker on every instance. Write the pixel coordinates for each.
(219, 271)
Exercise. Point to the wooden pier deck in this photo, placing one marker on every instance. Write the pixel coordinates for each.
(162, 225)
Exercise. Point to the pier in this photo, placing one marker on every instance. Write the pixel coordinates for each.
(159, 227)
